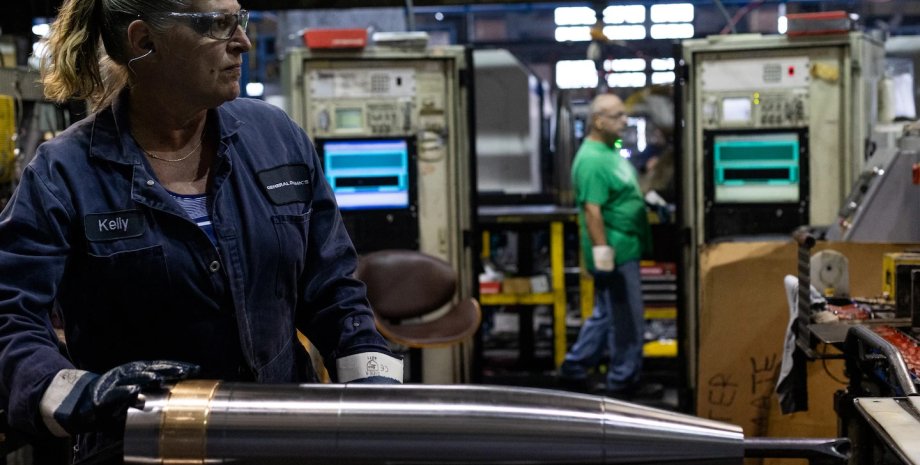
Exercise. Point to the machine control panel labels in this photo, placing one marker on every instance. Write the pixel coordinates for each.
(755, 109)
(755, 73)
(357, 83)
(755, 93)
(376, 101)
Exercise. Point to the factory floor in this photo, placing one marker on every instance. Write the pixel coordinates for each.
(507, 361)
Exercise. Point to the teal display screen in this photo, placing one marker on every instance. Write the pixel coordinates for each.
(758, 168)
(367, 174)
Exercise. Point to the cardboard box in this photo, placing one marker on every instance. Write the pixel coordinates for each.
(742, 319)
(516, 286)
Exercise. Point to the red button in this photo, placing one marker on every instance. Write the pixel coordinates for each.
(792, 70)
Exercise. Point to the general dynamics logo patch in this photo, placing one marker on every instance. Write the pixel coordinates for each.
(287, 184)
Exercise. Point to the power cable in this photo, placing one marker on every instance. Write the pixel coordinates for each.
(740, 14)
(728, 18)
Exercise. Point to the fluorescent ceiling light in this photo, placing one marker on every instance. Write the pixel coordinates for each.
(672, 13)
(671, 31)
(664, 77)
(624, 32)
(625, 64)
(573, 34)
(619, 14)
(576, 74)
(662, 64)
(574, 15)
(626, 79)
(255, 89)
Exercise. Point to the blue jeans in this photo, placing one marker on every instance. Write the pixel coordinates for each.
(617, 322)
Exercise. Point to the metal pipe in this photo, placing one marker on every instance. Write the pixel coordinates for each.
(859, 336)
(823, 450)
(803, 237)
(212, 422)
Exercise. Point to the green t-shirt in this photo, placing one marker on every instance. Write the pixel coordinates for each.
(602, 177)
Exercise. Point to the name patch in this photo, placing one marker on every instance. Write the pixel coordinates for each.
(114, 225)
(287, 184)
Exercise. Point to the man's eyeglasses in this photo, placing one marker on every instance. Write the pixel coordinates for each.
(614, 116)
(216, 25)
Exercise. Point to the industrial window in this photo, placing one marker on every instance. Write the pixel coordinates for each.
(576, 74)
(573, 23)
(672, 13)
(625, 64)
(573, 34)
(663, 21)
(626, 79)
(619, 14)
(662, 64)
(574, 16)
(672, 31)
(663, 77)
(631, 32)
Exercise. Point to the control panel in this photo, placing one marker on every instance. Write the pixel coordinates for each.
(390, 128)
(782, 109)
(755, 109)
(379, 98)
(771, 92)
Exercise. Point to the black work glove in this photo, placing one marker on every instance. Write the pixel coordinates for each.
(78, 401)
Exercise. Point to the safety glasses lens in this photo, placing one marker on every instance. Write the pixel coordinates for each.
(223, 26)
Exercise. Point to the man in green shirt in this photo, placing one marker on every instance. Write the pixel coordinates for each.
(614, 234)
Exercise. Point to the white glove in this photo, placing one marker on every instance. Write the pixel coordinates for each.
(654, 199)
(370, 368)
(603, 257)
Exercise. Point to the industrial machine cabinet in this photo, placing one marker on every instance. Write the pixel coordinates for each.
(390, 126)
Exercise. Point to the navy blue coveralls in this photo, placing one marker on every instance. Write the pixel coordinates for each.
(91, 233)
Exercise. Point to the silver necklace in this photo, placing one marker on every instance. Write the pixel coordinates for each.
(174, 160)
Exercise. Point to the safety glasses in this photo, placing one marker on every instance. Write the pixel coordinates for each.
(216, 25)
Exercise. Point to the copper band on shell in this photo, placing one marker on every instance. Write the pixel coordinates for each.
(183, 433)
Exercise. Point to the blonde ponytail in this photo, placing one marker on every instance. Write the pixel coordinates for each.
(87, 51)
(71, 68)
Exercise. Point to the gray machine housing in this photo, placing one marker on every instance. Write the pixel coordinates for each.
(507, 125)
(824, 88)
(882, 205)
(417, 95)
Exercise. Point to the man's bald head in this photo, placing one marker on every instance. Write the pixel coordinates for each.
(606, 102)
(608, 118)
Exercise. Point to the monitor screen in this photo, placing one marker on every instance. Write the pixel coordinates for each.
(367, 174)
(736, 110)
(349, 118)
(756, 167)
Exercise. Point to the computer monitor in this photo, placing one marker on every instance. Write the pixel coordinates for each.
(370, 173)
(756, 167)
(756, 181)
